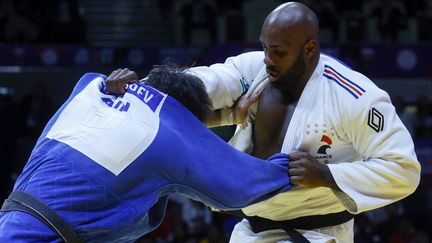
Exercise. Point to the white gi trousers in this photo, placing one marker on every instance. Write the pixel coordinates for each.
(342, 233)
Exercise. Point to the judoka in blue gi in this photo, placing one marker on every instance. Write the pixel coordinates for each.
(104, 166)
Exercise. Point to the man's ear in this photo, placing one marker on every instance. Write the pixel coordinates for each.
(310, 48)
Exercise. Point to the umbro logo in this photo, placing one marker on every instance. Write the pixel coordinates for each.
(376, 120)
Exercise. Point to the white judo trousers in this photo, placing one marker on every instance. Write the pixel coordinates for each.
(340, 233)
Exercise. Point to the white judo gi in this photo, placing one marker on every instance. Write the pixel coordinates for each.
(345, 121)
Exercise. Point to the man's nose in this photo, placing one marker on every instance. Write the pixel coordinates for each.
(268, 60)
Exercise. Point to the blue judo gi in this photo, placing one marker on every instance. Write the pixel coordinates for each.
(107, 165)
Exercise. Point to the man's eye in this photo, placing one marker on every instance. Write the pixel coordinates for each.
(280, 53)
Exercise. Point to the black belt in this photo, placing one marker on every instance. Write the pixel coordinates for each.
(259, 224)
(22, 201)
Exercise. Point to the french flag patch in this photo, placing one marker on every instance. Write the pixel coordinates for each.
(353, 88)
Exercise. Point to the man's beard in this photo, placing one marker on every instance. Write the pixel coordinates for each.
(293, 76)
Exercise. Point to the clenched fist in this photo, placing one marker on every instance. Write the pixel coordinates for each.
(305, 170)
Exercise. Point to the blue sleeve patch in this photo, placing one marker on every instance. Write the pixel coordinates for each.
(245, 86)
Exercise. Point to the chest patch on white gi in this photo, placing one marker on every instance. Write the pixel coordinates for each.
(324, 151)
(321, 138)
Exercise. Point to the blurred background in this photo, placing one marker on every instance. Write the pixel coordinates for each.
(46, 45)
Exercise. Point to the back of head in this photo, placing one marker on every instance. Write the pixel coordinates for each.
(187, 89)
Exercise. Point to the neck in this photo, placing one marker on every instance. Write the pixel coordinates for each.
(289, 91)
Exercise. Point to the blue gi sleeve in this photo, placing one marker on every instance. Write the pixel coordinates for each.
(205, 168)
(236, 184)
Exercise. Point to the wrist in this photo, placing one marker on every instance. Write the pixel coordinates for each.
(328, 178)
(226, 117)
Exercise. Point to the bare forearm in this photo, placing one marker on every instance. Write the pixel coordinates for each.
(213, 119)
(221, 117)
(236, 114)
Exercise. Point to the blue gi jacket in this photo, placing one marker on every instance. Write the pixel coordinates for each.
(107, 165)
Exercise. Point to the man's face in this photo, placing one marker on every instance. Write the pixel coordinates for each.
(283, 55)
(291, 75)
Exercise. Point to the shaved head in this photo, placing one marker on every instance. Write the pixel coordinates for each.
(297, 17)
(289, 37)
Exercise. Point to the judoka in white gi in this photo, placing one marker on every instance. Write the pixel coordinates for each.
(350, 151)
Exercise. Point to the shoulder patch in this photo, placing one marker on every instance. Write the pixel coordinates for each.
(244, 85)
(351, 87)
(375, 120)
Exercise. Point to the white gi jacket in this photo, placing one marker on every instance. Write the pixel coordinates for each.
(344, 120)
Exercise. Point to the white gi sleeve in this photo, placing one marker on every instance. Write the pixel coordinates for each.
(390, 170)
(226, 82)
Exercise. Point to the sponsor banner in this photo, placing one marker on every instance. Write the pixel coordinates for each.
(378, 60)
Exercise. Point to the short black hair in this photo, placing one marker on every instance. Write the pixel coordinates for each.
(186, 88)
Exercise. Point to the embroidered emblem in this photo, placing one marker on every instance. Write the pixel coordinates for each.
(322, 151)
(375, 120)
